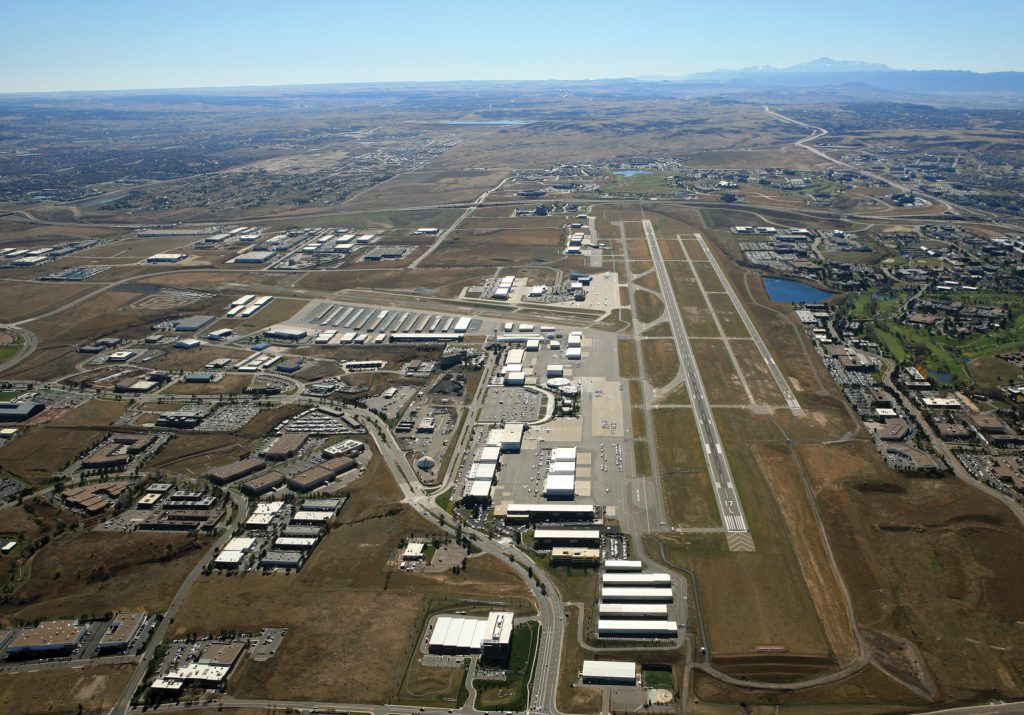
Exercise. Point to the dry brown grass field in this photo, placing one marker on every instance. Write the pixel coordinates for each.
(660, 361)
(685, 486)
(44, 449)
(87, 574)
(89, 689)
(648, 306)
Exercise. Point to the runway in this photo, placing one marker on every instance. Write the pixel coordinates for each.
(726, 497)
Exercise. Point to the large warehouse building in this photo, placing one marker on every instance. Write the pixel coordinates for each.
(491, 636)
(608, 672)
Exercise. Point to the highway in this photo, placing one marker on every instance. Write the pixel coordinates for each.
(726, 497)
(780, 379)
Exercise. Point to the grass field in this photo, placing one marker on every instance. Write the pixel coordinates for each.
(627, 359)
(89, 689)
(721, 381)
(685, 486)
(648, 306)
(660, 361)
(45, 449)
(87, 574)
(728, 318)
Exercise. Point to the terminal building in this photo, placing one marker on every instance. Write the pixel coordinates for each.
(490, 637)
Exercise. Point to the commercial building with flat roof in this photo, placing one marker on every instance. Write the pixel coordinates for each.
(263, 483)
(633, 611)
(279, 559)
(311, 517)
(637, 629)
(222, 654)
(577, 555)
(124, 627)
(193, 323)
(491, 636)
(546, 538)
(286, 446)
(627, 594)
(19, 411)
(654, 580)
(47, 639)
(550, 512)
(623, 565)
(230, 472)
(609, 672)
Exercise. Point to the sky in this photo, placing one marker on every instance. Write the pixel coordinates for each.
(57, 45)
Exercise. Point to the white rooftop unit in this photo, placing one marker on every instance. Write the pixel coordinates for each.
(623, 565)
(609, 671)
(637, 579)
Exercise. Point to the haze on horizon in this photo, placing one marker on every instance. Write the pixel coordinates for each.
(66, 45)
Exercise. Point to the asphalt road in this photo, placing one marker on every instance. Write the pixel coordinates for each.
(726, 497)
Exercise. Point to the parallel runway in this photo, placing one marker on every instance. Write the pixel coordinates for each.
(726, 497)
(780, 379)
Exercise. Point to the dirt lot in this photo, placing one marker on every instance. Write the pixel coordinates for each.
(329, 654)
(91, 689)
(86, 574)
(46, 448)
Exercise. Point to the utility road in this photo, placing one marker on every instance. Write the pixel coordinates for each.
(726, 497)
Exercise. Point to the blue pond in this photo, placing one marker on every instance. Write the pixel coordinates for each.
(782, 290)
(630, 172)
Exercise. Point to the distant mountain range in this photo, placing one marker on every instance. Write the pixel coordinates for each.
(827, 72)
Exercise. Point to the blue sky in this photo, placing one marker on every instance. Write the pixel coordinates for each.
(116, 44)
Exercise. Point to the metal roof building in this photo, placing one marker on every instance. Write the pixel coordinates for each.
(637, 629)
(625, 594)
(458, 634)
(609, 671)
(623, 565)
(632, 611)
(637, 579)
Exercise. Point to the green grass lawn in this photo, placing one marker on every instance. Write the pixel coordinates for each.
(652, 678)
